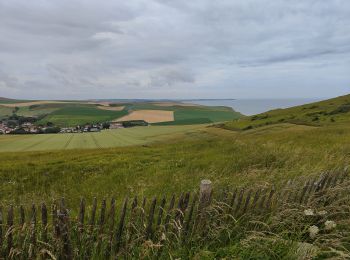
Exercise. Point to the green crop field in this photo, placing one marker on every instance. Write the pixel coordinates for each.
(74, 113)
(71, 115)
(103, 139)
(5, 111)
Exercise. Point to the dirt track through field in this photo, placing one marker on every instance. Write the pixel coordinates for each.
(150, 116)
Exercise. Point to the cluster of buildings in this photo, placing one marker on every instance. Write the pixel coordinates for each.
(27, 127)
(83, 129)
(14, 127)
(4, 129)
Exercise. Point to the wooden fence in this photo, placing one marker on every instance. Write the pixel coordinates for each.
(103, 230)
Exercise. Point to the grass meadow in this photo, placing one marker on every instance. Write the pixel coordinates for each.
(269, 154)
(103, 139)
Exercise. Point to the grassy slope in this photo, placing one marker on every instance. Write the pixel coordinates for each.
(270, 153)
(322, 113)
(104, 139)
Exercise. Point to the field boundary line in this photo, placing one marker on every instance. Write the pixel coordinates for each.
(37, 143)
(122, 139)
(68, 142)
(95, 140)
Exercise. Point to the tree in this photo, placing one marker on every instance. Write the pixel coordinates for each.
(52, 130)
(106, 125)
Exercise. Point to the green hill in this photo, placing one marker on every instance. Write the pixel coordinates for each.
(327, 112)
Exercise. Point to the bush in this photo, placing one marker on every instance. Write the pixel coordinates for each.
(248, 127)
(52, 130)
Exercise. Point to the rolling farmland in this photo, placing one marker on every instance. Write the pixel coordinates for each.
(104, 139)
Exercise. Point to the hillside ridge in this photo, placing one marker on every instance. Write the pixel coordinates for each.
(325, 112)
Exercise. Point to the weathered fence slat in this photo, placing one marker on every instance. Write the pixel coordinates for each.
(149, 230)
(255, 199)
(93, 213)
(64, 230)
(1, 232)
(161, 211)
(246, 204)
(189, 219)
(120, 229)
(233, 198)
(239, 202)
(170, 209)
(22, 216)
(9, 230)
(111, 217)
(32, 249)
(269, 199)
(102, 213)
(44, 222)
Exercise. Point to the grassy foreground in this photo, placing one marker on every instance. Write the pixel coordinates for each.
(268, 154)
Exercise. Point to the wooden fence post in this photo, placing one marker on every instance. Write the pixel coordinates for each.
(205, 191)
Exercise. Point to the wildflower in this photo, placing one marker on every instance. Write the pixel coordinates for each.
(329, 224)
(322, 212)
(309, 212)
(163, 236)
(313, 231)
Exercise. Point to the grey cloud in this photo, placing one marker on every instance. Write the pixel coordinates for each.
(166, 49)
(171, 77)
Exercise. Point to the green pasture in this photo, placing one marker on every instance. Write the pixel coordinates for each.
(5, 111)
(103, 139)
(71, 115)
(165, 160)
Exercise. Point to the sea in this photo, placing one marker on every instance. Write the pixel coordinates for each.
(254, 106)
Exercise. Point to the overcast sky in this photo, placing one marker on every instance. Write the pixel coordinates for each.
(70, 49)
